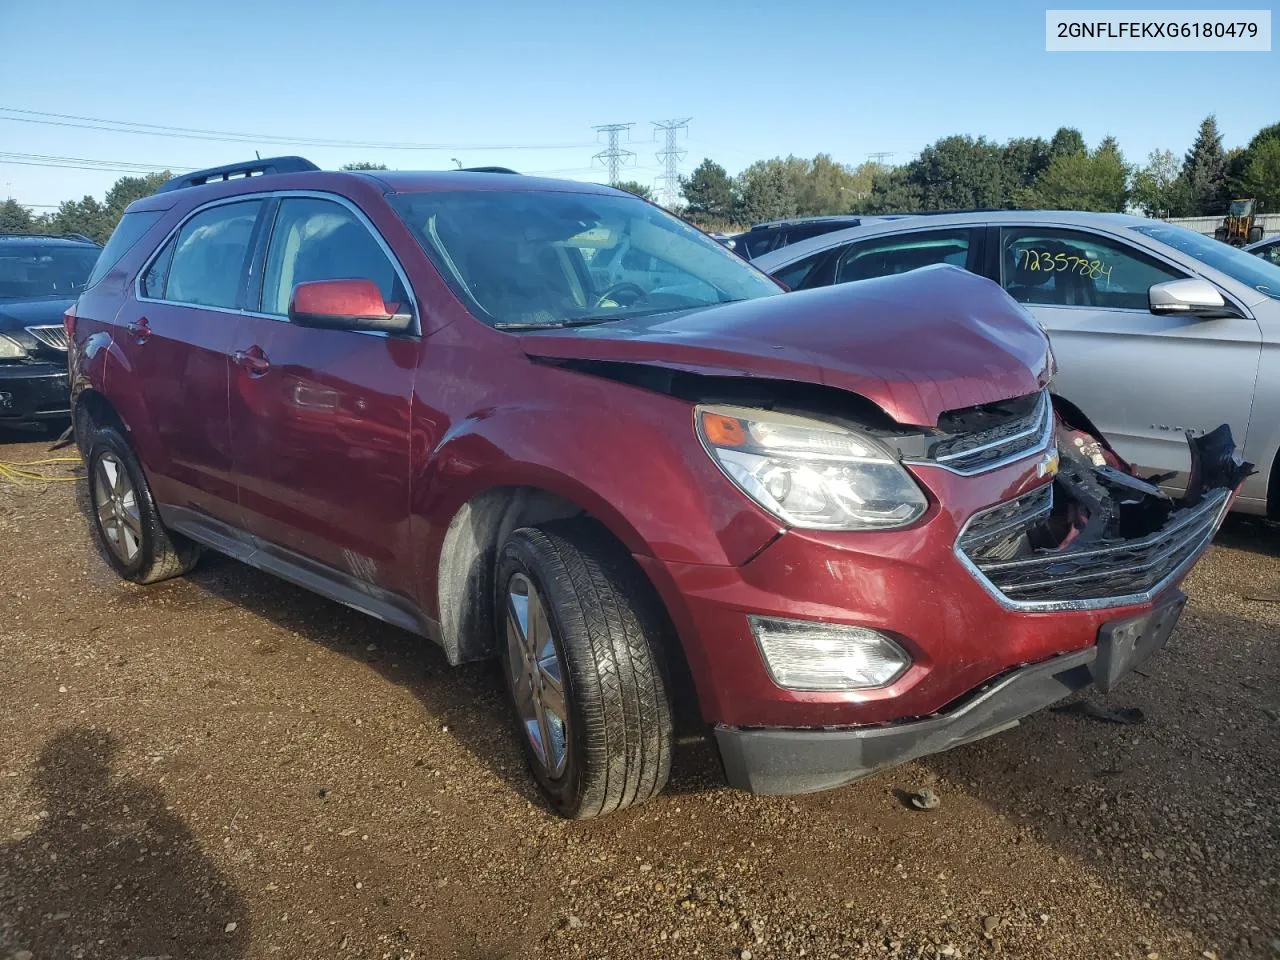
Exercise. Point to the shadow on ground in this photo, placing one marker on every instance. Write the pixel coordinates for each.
(109, 870)
(1250, 533)
(469, 699)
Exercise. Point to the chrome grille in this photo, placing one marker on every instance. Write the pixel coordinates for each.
(1109, 574)
(967, 450)
(53, 336)
(973, 452)
(987, 531)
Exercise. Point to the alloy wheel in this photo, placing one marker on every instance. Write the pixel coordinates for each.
(537, 676)
(116, 503)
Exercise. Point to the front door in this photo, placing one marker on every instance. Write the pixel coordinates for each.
(177, 336)
(320, 418)
(1144, 380)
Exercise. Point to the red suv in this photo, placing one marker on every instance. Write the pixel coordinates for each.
(846, 524)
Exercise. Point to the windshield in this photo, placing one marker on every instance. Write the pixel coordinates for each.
(542, 258)
(1245, 267)
(44, 270)
(1240, 208)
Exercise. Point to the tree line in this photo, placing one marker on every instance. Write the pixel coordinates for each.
(95, 218)
(967, 173)
(954, 173)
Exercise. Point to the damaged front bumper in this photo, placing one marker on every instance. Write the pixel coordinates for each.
(804, 761)
(1090, 562)
(1099, 536)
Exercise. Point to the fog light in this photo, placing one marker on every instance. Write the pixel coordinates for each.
(807, 655)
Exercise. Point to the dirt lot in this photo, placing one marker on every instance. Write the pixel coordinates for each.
(226, 766)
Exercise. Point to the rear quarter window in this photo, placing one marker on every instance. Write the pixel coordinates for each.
(127, 232)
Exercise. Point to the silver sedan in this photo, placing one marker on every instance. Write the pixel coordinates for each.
(1157, 330)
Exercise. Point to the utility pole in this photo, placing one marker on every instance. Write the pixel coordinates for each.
(614, 156)
(879, 157)
(671, 155)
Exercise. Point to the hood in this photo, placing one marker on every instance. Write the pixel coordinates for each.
(15, 314)
(917, 344)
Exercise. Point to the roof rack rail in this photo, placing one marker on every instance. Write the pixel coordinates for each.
(250, 168)
(488, 170)
(46, 236)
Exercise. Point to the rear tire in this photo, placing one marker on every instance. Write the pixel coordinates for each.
(1255, 234)
(124, 516)
(602, 637)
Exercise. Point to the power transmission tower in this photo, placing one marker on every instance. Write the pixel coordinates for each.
(671, 155)
(613, 156)
(879, 157)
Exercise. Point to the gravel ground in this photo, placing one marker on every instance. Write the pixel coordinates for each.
(226, 766)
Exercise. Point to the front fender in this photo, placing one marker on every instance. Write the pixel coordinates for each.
(642, 474)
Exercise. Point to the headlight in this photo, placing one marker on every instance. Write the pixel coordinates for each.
(808, 473)
(807, 655)
(11, 349)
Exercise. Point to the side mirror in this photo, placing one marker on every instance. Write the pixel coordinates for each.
(345, 305)
(1192, 297)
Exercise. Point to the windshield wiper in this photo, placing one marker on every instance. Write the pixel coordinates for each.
(556, 324)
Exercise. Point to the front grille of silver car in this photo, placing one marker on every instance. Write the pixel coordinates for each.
(1110, 573)
(982, 438)
(53, 336)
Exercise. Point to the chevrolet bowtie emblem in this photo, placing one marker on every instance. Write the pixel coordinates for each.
(1048, 465)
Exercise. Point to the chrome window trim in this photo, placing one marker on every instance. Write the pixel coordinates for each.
(1046, 430)
(264, 196)
(1100, 603)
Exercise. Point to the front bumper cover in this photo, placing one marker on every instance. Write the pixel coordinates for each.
(781, 761)
(32, 392)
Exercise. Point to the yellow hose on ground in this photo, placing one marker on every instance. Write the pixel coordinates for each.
(16, 472)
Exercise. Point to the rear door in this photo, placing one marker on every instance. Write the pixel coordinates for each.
(176, 335)
(320, 418)
(1142, 379)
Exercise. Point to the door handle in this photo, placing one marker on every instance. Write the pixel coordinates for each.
(139, 329)
(253, 361)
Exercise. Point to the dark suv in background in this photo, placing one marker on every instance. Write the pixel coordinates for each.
(831, 526)
(776, 234)
(40, 277)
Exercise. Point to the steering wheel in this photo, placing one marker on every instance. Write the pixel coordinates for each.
(634, 291)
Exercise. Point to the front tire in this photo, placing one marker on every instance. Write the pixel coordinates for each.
(124, 516)
(581, 636)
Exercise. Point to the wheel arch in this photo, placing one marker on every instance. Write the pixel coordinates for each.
(467, 570)
(1273, 489)
(93, 410)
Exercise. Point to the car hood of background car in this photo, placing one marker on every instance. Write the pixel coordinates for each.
(916, 344)
(15, 314)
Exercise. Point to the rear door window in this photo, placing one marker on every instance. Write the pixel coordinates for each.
(885, 256)
(804, 273)
(204, 265)
(1075, 268)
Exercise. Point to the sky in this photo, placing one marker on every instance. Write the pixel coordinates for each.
(521, 83)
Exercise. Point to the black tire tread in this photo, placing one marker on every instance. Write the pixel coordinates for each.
(606, 619)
